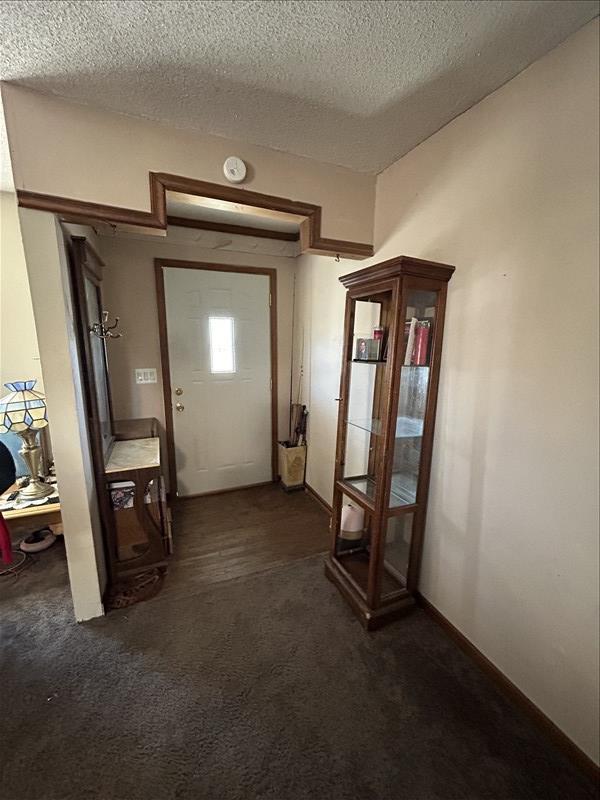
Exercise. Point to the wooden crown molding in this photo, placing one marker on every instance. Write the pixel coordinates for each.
(162, 182)
(401, 265)
(82, 211)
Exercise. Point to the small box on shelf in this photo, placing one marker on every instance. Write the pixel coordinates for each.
(367, 349)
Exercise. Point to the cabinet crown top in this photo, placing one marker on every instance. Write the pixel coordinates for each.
(397, 267)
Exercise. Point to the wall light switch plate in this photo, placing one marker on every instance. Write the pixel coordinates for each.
(145, 376)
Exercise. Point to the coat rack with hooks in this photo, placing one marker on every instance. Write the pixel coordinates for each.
(103, 330)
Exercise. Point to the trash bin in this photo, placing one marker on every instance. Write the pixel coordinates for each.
(292, 463)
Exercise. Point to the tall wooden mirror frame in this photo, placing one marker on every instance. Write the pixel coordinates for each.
(86, 264)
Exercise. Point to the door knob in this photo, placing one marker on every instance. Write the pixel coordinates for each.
(178, 391)
(179, 406)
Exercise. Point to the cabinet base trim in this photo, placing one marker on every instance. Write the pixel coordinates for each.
(371, 618)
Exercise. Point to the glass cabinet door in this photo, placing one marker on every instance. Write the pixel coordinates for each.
(397, 543)
(363, 429)
(353, 542)
(419, 326)
(364, 417)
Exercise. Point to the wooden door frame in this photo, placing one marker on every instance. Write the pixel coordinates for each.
(165, 263)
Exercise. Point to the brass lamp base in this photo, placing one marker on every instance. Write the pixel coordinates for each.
(35, 490)
(30, 452)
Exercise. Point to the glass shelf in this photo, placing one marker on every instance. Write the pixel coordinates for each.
(403, 489)
(364, 484)
(406, 427)
(370, 425)
(384, 361)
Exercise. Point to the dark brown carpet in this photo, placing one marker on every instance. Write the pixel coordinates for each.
(263, 686)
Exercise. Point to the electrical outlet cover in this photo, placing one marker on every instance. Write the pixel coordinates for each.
(145, 375)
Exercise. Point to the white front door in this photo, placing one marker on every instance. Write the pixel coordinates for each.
(218, 332)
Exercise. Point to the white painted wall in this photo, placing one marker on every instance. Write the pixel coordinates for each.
(100, 156)
(508, 192)
(19, 355)
(48, 276)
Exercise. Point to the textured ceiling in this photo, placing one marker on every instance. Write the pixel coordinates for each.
(351, 83)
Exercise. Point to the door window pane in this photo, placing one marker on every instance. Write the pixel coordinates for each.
(222, 349)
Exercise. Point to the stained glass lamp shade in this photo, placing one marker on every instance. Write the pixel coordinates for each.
(23, 408)
(23, 411)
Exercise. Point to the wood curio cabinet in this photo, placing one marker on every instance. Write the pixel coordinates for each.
(393, 328)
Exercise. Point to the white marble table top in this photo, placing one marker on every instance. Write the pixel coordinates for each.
(134, 454)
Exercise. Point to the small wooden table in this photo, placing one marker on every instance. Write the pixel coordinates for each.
(139, 524)
(22, 521)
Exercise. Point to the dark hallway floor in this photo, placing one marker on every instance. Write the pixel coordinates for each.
(257, 686)
(225, 536)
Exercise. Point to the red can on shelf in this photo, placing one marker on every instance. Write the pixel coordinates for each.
(421, 344)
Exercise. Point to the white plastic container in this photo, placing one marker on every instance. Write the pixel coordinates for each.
(353, 522)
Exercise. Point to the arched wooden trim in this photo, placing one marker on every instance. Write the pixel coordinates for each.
(162, 182)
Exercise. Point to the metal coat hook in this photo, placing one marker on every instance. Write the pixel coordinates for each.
(337, 257)
(103, 330)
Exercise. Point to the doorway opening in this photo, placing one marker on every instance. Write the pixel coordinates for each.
(190, 220)
(218, 345)
(205, 359)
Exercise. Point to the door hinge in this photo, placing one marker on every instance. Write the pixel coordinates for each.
(270, 300)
